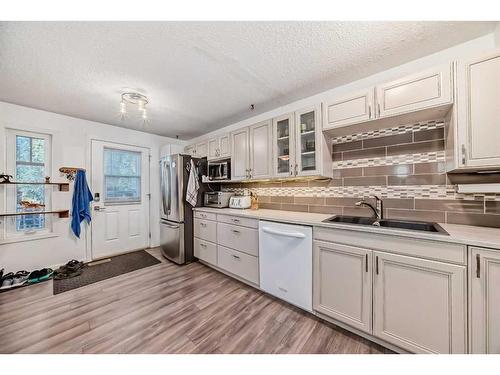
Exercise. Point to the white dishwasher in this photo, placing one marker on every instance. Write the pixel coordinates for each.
(285, 262)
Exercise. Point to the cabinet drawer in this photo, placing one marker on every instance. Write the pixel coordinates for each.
(238, 263)
(205, 215)
(435, 250)
(238, 238)
(205, 229)
(205, 250)
(235, 220)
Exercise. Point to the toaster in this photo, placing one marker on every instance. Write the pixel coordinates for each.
(240, 201)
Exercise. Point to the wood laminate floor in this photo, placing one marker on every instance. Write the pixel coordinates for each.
(165, 309)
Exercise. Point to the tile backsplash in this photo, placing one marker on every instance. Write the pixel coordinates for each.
(405, 165)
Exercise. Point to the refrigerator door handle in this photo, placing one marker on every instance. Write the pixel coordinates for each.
(168, 224)
(162, 184)
(169, 183)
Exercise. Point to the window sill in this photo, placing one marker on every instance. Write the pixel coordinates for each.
(33, 237)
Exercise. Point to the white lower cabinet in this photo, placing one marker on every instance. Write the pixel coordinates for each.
(484, 319)
(205, 250)
(343, 283)
(419, 305)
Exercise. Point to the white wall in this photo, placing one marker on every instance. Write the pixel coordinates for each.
(71, 147)
(469, 49)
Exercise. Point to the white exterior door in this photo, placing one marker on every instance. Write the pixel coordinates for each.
(419, 305)
(343, 283)
(478, 112)
(484, 320)
(240, 155)
(120, 183)
(260, 150)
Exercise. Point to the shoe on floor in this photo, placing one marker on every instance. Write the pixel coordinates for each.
(7, 281)
(20, 278)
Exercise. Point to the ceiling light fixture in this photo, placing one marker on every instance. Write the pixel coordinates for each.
(135, 99)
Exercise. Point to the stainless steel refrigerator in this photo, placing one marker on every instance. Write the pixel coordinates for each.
(176, 223)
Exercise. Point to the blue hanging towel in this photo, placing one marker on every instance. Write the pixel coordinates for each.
(81, 202)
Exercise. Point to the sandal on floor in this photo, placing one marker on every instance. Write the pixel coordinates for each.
(67, 274)
(45, 274)
(33, 277)
(20, 278)
(7, 280)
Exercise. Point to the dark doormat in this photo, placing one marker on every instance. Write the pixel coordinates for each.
(118, 265)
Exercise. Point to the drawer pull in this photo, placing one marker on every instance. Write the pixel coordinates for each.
(236, 257)
(203, 224)
(203, 245)
(203, 215)
(235, 231)
(235, 221)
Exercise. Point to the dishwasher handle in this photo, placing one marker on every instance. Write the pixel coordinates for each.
(284, 234)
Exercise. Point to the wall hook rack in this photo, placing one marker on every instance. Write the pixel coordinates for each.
(70, 172)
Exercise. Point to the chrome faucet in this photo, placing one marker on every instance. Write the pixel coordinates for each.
(378, 210)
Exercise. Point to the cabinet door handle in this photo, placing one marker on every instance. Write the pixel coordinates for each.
(378, 107)
(291, 169)
(376, 265)
(296, 166)
(366, 262)
(369, 111)
(463, 154)
(478, 266)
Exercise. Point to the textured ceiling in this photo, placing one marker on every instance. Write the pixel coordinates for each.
(201, 76)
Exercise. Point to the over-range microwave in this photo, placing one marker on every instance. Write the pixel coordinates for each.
(219, 170)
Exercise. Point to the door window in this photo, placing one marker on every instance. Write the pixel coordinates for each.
(122, 176)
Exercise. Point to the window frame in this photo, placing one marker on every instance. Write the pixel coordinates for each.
(10, 227)
(115, 202)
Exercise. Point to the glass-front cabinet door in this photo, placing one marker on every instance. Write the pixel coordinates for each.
(308, 133)
(283, 144)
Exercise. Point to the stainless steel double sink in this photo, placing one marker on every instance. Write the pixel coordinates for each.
(420, 226)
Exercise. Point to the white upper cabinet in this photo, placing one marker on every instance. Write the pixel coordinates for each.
(260, 151)
(240, 155)
(219, 147)
(352, 109)
(419, 305)
(201, 149)
(484, 319)
(478, 113)
(343, 283)
(309, 143)
(427, 89)
(224, 146)
(190, 150)
(283, 145)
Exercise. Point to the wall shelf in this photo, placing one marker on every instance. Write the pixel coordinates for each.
(60, 213)
(63, 186)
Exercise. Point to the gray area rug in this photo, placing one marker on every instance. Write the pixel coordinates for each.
(118, 265)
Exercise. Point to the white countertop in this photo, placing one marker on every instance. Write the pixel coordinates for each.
(463, 234)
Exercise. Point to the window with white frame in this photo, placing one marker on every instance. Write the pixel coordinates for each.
(28, 160)
(122, 176)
